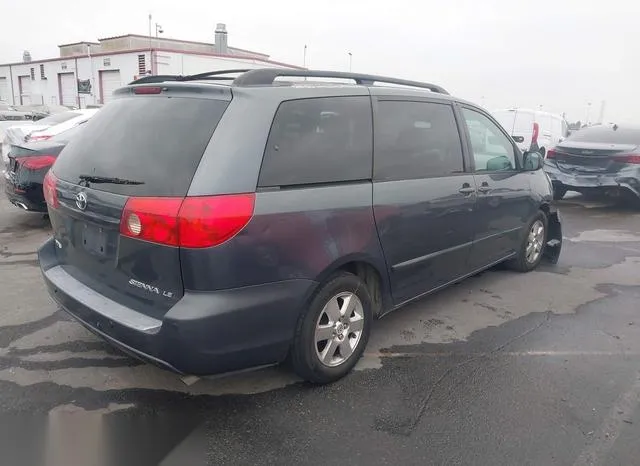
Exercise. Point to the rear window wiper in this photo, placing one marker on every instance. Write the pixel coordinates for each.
(106, 179)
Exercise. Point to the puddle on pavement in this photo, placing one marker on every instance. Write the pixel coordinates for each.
(606, 236)
(489, 299)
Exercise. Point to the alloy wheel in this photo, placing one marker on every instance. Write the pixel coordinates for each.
(339, 329)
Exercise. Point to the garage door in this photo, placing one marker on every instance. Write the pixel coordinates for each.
(4, 90)
(109, 82)
(24, 83)
(67, 87)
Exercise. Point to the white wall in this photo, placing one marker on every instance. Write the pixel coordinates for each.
(47, 91)
(179, 63)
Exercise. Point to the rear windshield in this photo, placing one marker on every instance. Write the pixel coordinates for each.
(66, 135)
(58, 118)
(606, 134)
(156, 141)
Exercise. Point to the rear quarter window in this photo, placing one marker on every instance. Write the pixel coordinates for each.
(319, 140)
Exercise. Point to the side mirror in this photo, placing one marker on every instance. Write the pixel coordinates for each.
(533, 161)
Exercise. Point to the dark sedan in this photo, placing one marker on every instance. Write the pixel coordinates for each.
(28, 164)
(599, 160)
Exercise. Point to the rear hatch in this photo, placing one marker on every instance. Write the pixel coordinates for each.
(590, 157)
(139, 148)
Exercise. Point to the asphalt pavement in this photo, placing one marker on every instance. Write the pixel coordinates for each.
(502, 369)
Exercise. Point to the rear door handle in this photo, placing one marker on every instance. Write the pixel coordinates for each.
(484, 188)
(467, 189)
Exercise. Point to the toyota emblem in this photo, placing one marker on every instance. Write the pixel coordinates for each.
(81, 201)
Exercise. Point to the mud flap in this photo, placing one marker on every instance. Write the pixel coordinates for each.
(554, 239)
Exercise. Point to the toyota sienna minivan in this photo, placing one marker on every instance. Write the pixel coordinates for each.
(238, 219)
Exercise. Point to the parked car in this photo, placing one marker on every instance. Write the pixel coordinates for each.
(15, 132)
(27, 167)
(80, 117)
(211, 228)
(602, 159)
(10, 113)
(533, 129)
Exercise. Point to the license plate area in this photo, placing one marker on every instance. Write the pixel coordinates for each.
(94, 240)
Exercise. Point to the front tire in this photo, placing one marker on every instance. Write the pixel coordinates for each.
(333, 333)
(532, 245)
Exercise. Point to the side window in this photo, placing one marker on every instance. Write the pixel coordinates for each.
(492, 150)
(416, 140)
(319, 140)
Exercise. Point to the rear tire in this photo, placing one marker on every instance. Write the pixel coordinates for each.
(333, 332)
(532, 245)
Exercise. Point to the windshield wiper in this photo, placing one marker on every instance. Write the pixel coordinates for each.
(106, 179)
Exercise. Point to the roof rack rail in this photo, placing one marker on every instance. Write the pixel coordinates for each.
(217, 75)
(266, 77)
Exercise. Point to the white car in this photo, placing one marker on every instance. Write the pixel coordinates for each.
(47, 133)
(533, 129)
(15, 132)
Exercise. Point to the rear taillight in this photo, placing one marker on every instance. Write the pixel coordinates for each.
(209, 221)
(49, 187)
(36, 162)
(534, 136)
(38, 137)
(627, 158)
(152, 219)
(551, 154)
(192, 222)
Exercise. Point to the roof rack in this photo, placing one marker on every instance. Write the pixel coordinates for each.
(216, 75)
(267, 76)
(213, 75)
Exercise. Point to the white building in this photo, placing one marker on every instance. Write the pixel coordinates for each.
(87, 73)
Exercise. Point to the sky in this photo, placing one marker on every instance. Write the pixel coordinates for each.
(558, 55)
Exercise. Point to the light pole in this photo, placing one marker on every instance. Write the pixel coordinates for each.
(304, 57)
(154, 58)
(350, 61)
(588, 112)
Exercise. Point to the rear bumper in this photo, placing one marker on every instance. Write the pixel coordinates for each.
(628, 180)
(203, 334)
(28, 197)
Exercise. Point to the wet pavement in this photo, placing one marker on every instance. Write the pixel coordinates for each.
(504, 368)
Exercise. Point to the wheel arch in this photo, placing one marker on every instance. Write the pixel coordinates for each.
(374, 274)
